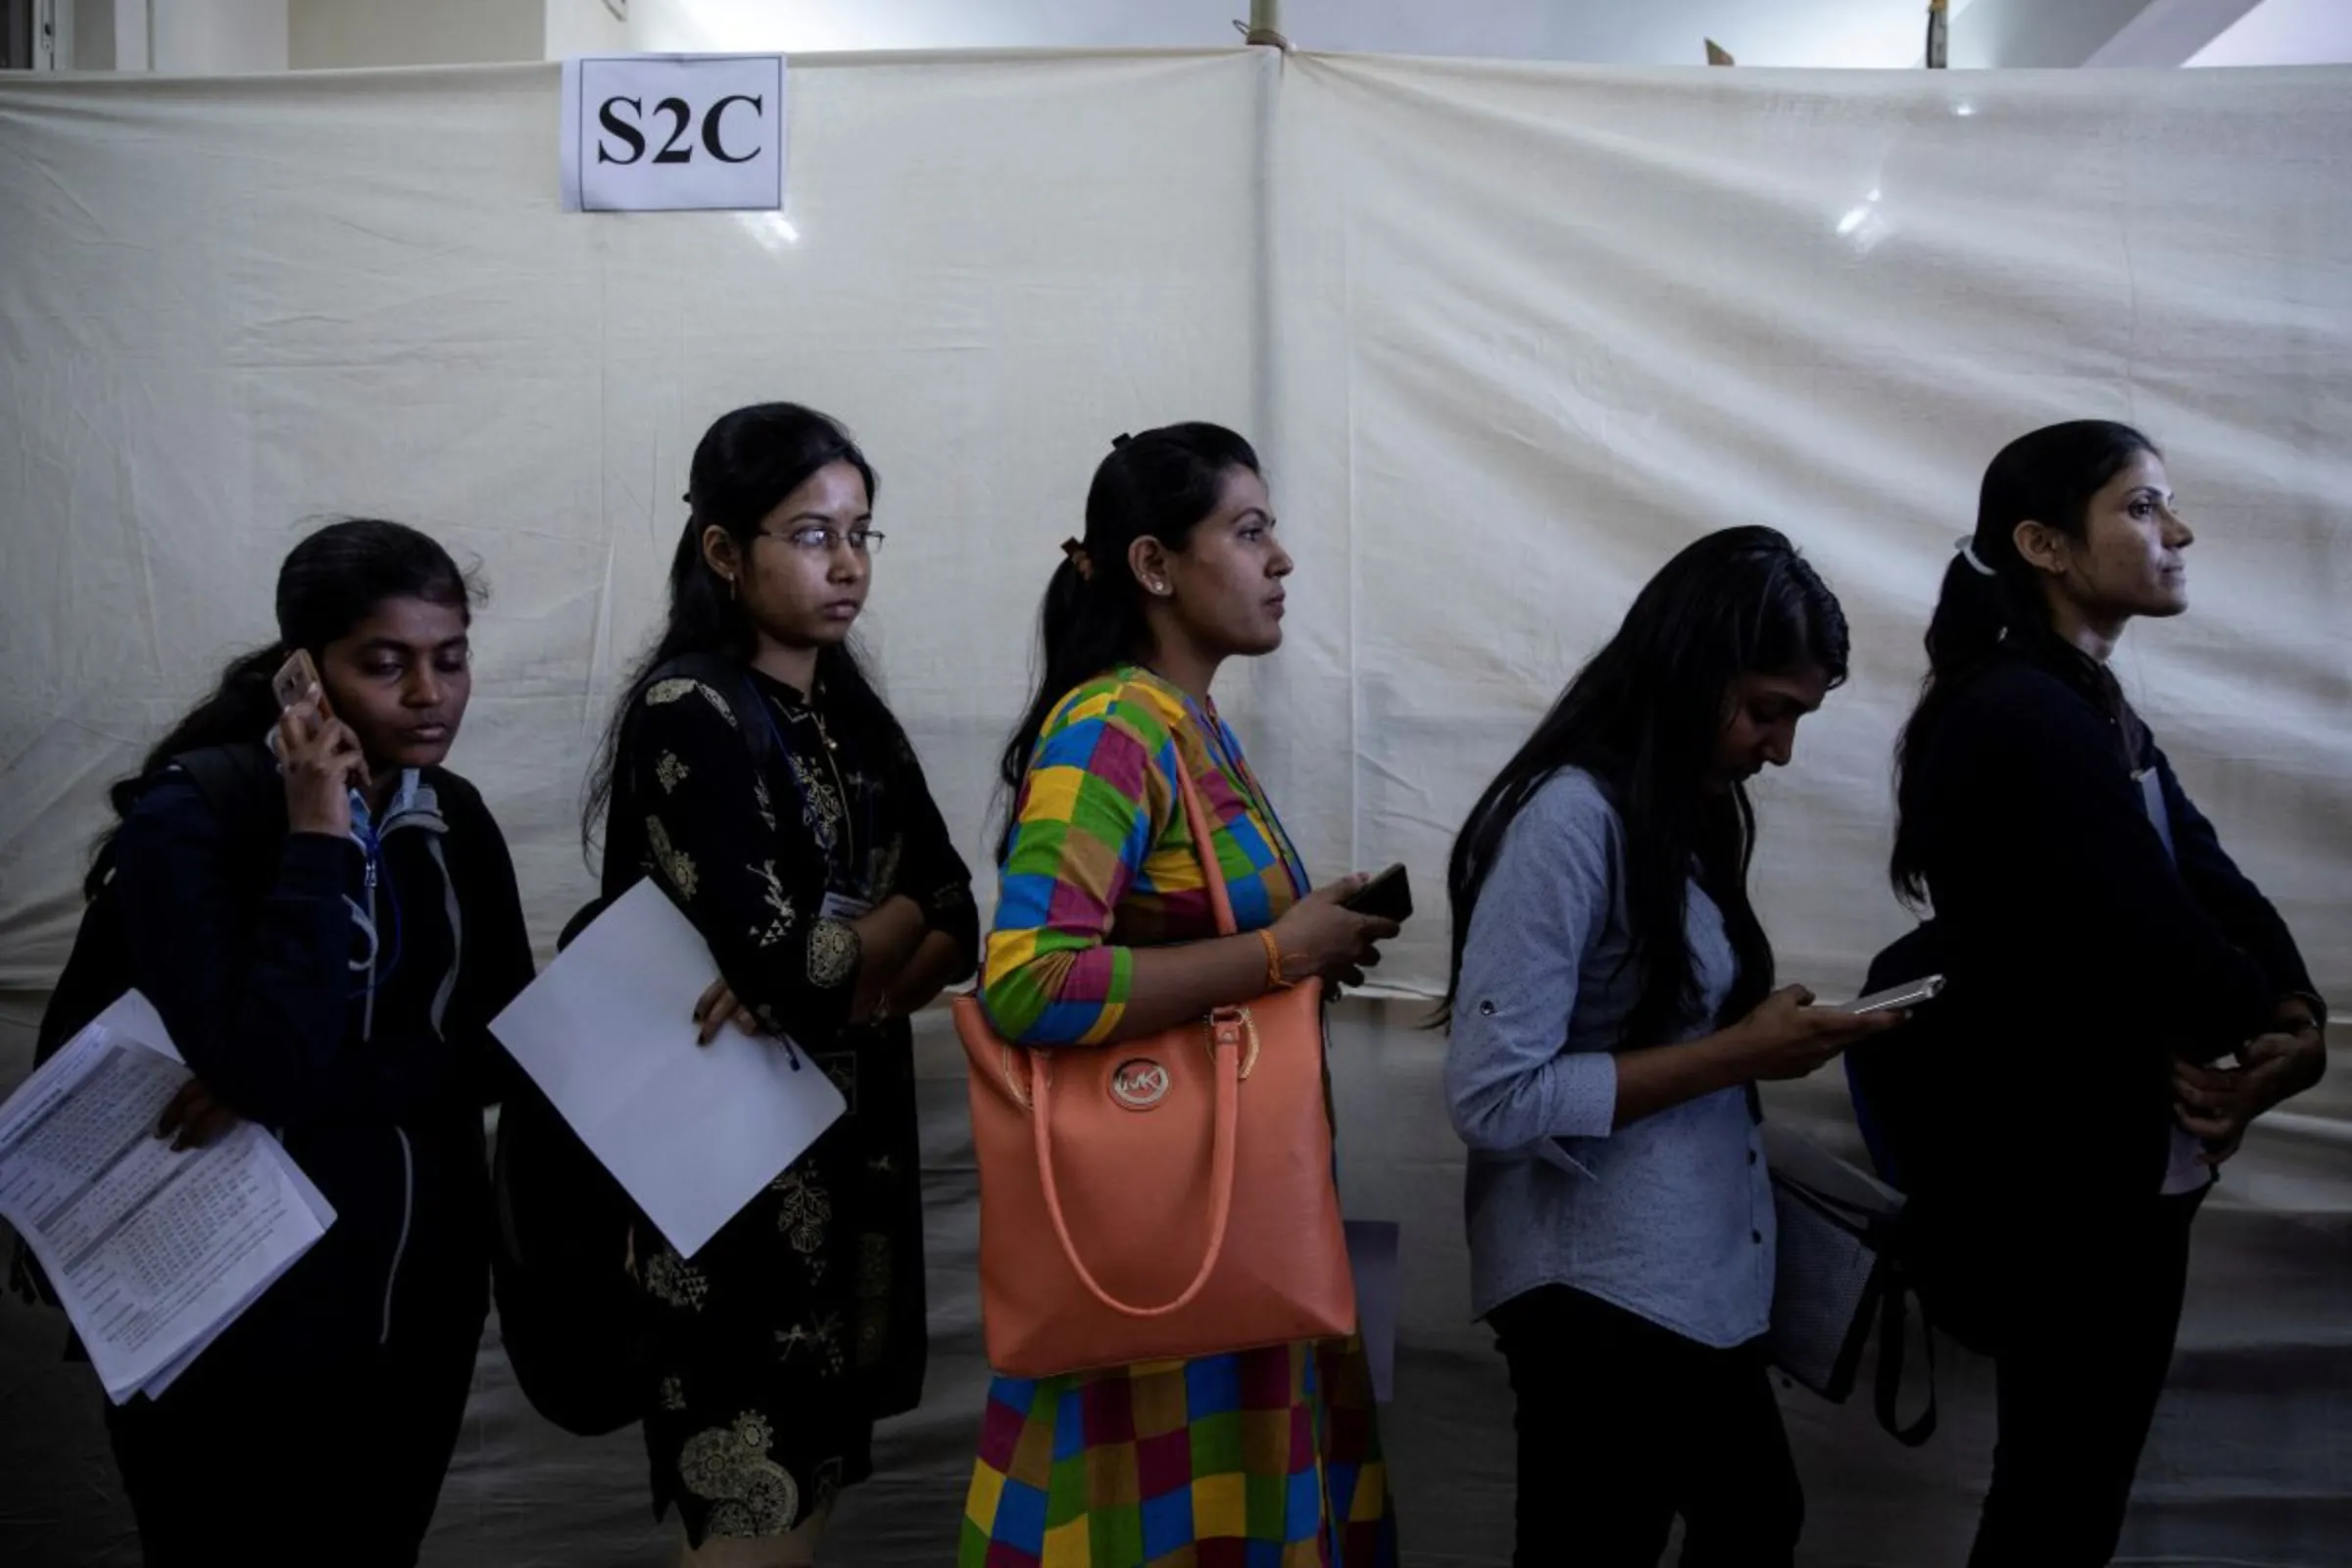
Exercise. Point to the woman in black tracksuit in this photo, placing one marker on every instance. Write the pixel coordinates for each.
(2124, 1000)
(327, 942)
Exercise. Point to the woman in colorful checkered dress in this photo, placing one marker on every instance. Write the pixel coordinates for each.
(1265, 1458)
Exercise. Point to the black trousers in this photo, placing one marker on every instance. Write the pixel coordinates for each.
(343, 1465)
(1623, 1425)
(2086, 1330)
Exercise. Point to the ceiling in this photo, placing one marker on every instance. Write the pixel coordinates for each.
(1883, 33)
(2284, 32)
(1822, 33)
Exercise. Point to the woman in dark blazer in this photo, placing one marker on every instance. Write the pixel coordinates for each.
(2123, 1000)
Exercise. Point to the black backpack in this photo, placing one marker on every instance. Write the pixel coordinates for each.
(1894, 1097)
(570, 1314)
(241, 783)
(1911, 1124)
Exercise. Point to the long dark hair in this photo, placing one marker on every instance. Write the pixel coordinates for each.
(743, 468)
(1991, 604)
(329, 582)
(1157, 485)
(1645, 718)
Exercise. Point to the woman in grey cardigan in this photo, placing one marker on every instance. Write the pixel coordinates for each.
(1612, 1006)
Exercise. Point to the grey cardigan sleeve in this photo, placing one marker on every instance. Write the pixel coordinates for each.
(1509, 1078)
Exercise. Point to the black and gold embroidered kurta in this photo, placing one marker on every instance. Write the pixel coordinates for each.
(775, 1347)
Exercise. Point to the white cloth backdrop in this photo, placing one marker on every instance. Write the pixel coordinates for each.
(1537, 328)
(1506, 335)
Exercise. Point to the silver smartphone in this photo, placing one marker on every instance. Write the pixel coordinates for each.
(1909, 994)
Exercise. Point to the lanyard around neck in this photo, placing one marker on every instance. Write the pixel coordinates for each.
(849, 857)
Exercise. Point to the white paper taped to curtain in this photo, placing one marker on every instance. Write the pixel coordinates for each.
(1507, 336)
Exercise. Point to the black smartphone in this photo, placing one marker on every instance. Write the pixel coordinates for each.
(1389, 896)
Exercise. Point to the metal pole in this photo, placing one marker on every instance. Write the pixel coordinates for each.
(1265, 24)
(46, 43)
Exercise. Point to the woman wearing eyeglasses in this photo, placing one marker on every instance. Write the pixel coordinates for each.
(752, 768)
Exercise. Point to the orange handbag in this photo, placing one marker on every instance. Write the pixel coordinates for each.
(1164, 1198)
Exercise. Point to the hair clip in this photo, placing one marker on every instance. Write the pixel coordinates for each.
(1967, 547)
(1121, 440)
(1078, 558)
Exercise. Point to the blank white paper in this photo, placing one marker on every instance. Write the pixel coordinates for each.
(692, 1132)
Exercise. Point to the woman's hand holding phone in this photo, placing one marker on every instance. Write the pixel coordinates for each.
(323, 764)
(1787, 1037)
(1321, 937)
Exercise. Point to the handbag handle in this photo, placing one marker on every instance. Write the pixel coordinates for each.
(1227, 1028)
(1204, 849)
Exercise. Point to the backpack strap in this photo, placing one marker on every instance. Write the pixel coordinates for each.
(732, 680)
(231, 778)
(239, 783)
(1890, 1380)
(241, 786)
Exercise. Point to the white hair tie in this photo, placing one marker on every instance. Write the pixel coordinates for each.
(1968, 553)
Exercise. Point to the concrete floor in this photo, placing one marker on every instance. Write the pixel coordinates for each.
(2251, 1461)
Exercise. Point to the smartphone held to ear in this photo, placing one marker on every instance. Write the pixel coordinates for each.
(294, 680)
(1389, 896)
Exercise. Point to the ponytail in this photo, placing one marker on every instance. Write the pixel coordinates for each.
(1157, 485)
(1090, 620)
(1991, 605)
(1978, 609)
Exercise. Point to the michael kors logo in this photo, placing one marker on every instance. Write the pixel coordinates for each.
(1140, 1084)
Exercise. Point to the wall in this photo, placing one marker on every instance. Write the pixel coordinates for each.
(583, 28)
(333, 35)
(2168, 31)
(93, 34)
(2027, 33)
(217, 37)
(1795, 32)
(206, 37)
(2285, 33)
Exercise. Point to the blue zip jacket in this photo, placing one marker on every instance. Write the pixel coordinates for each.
(339, 992)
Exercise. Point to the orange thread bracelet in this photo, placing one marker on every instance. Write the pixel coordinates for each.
(1274, 978)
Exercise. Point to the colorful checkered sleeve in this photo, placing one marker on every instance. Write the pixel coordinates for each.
(1089, 811)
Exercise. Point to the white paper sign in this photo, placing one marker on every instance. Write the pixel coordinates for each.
(692, 1132)
(647, 134)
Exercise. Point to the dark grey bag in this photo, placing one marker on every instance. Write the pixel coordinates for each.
(1838, 1276)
